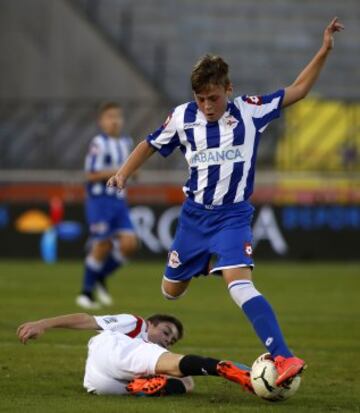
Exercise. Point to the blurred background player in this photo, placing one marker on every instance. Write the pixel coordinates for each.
(129, 350)
(112, 236)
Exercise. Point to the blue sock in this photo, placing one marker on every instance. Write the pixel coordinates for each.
(111, 264)
(261, 316)
(91, 274)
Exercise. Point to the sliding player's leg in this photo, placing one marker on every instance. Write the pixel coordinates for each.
(178, 366)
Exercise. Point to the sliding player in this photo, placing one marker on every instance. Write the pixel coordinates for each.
(219, 139)
(130, 355)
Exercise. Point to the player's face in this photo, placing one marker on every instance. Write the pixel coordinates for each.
(212, 101)
(112, 121)
(165, 334)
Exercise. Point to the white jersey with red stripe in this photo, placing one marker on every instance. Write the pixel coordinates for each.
(119, 353)
(128, 324)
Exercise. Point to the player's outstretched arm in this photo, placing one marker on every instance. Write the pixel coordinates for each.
(304, 82)
(35, 329)
(138, 156)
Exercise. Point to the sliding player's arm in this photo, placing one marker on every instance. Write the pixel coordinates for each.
(34, 329)
(304, 82)
(138, 156)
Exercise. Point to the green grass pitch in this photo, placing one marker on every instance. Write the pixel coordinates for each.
(318, 306)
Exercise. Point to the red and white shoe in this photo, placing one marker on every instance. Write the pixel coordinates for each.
(147, 386)
(230, 371)
(288, 368)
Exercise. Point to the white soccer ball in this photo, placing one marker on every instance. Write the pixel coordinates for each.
(263, 378)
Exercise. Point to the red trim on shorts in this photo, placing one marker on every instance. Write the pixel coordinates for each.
(137, 329)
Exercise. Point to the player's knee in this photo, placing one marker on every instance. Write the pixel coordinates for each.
(167, 295)
(171, 296)
(100, 249)
(128, 245)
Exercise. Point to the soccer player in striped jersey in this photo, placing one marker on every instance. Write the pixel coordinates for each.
(219, 139)
(129, 351)
(112, 236)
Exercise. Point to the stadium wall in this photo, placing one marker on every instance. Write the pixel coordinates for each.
(64, 57)
(291, 221)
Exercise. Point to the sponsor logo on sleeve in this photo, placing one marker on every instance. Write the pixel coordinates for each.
(254, 100)
(109, 320)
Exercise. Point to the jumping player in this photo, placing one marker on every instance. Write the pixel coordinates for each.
(129, 351)
(111, 231)
(219, 140)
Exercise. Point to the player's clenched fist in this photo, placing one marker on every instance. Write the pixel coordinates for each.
(117, 181)
(30, 330)
(333, 27)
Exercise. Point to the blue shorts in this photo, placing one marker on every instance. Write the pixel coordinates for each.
(106, 216)
(223, 232)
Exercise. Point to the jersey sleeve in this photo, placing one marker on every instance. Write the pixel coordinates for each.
(94, 161)
(165, 139)
(121, 323)
(263, 109)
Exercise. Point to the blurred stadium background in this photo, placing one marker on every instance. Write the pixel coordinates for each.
(60, 59)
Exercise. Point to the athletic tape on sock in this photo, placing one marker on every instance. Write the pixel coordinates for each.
(242, 291)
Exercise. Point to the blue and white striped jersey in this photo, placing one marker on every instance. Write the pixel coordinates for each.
(221, 155)
(106, 153)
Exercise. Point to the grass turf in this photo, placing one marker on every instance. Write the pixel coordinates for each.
(317, 304)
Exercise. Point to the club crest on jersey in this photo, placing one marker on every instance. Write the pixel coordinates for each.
(254, 100)
(248, 249)
(231, 121)
(174, 261)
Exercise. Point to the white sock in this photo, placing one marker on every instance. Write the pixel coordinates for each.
(117, 256)
(242, 291)
(93, 263)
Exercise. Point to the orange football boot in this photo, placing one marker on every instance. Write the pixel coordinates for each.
(147, 386)
(230, 371)
(288, 368)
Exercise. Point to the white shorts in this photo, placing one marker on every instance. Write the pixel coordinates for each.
(114, 359)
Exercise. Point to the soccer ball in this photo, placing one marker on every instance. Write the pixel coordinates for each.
(263, 377)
